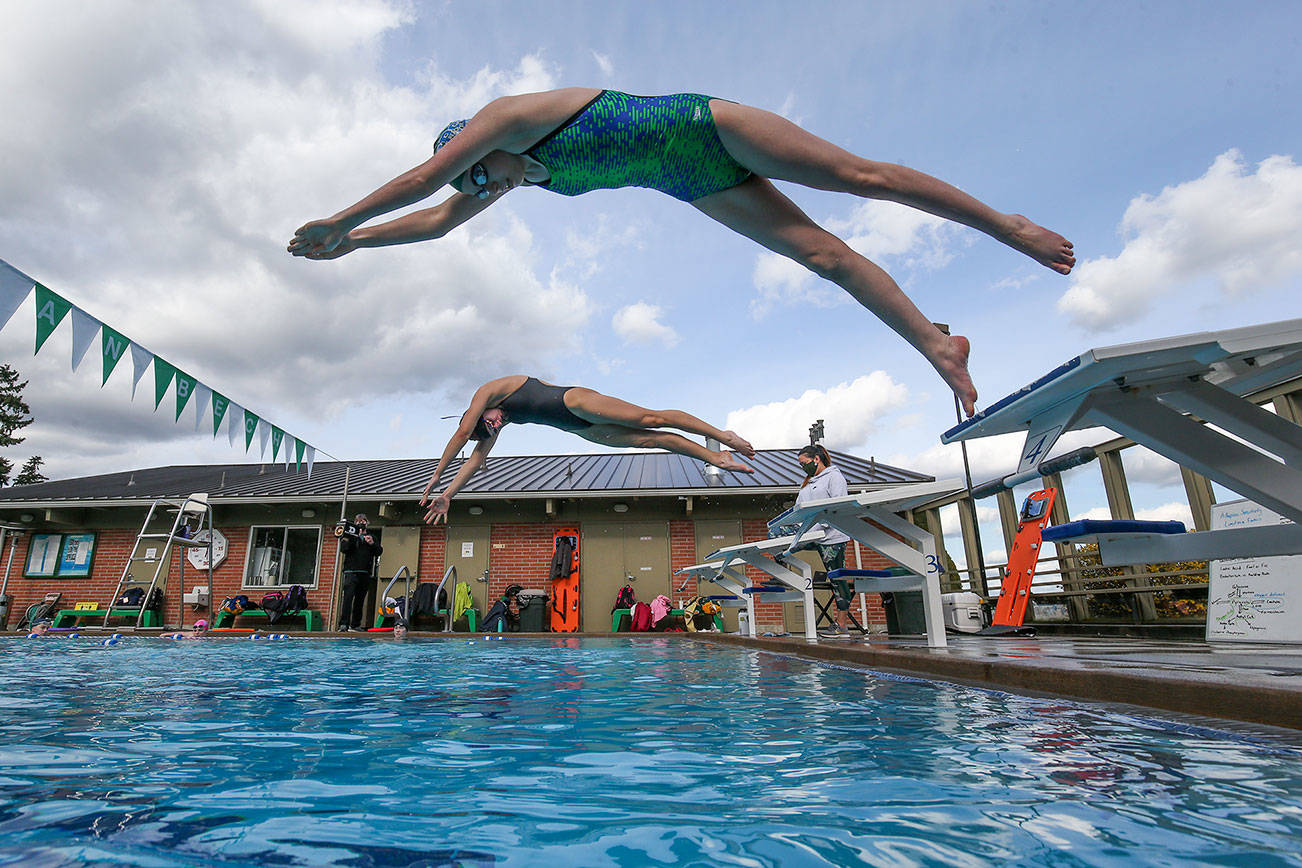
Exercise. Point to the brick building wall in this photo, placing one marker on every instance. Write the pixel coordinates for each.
(519, 553)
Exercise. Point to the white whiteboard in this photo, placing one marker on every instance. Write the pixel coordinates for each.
(1253, 599)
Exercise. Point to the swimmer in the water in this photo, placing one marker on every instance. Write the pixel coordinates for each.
(717, 155)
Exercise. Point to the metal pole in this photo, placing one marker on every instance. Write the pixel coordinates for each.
(971, 502)
(343, 513)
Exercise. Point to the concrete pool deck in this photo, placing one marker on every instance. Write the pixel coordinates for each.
(1258, 683)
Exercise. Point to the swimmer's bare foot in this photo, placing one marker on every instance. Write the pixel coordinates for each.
(734, 441)
(726, 461)
(951, 363)
(1043, 245)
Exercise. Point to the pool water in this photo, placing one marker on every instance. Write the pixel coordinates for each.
(598, 752)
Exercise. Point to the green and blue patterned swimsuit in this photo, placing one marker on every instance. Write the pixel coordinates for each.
(667, 143)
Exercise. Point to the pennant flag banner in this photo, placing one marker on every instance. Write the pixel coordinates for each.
(163, 373)
(113, 345)
(234, 422)
(219, 405)
(250, 426)
(50, 311)
(84, 329)
(184, 389)
(14, 289)
(202, 395)
(140, 359)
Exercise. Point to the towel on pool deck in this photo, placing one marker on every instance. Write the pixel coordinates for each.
(660, 607)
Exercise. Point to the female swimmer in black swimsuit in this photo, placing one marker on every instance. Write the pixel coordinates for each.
(592, 415)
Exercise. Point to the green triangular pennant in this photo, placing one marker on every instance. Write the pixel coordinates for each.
(298, 454)
(219, 405)
(51, 308)
(250, 428)
(184, 389)
(276, 436)
(115, 347)
(163, 373)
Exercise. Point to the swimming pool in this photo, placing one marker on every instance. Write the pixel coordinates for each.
(598, 752)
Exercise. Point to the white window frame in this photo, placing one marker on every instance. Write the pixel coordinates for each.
(286, 528)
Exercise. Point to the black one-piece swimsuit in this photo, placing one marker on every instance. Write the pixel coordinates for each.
(542, 404)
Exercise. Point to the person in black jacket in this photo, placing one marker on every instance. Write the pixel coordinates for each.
(360, 551)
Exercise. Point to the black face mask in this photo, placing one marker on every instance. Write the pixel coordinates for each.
(810, 469)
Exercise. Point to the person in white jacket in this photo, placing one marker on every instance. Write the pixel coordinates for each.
(822, 481)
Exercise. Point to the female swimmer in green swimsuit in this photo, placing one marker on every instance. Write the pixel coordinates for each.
(715, 154)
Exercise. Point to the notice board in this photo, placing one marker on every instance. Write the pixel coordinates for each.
(1253, 599)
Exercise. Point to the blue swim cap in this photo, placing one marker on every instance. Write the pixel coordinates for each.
(449, 133)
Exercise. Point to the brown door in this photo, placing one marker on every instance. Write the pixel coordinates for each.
(467, 550)
(616, 554)
(401, 548)
(646, 559)
(601, 574)
(711, 535)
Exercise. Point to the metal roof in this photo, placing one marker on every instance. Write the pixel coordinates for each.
(582, 475)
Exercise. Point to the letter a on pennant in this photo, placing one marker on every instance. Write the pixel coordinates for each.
(51, 308)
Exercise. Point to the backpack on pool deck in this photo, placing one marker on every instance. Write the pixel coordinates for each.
(131, 597)
(625, 598)
(295, 599)
(641, 618)
(275, 605)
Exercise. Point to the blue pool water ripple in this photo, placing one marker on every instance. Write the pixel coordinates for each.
(590, 752)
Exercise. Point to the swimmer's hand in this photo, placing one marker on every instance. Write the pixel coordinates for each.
(437, 513)
(317, 237)
(348, 245)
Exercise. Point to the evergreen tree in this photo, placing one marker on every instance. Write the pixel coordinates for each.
(15, 415)
(31, 472)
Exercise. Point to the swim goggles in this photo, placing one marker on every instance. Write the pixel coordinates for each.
(478, 176)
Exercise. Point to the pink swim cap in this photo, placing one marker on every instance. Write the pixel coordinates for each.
(201, 624)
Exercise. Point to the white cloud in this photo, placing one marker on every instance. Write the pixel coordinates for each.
(851, 413)
(888, 233)
(640, 323)
(604, 63)
(168, 152)
(1174, 511)
(586, 251)
(989, 457)
(1232, 228)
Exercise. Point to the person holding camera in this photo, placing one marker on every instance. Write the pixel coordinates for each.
(360, 550)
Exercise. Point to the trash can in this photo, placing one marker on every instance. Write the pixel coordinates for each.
(533, 611)
(904, 613)
(5, 602)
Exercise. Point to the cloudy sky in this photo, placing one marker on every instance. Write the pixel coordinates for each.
(157, 156)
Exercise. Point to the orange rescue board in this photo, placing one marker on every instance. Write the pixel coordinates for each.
(565, 591)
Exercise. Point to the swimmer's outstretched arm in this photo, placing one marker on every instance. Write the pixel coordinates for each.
(440, 503)
(491, 128)
(424, 225)
(460, 437)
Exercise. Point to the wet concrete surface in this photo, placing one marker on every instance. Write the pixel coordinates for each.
(1260, 683)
